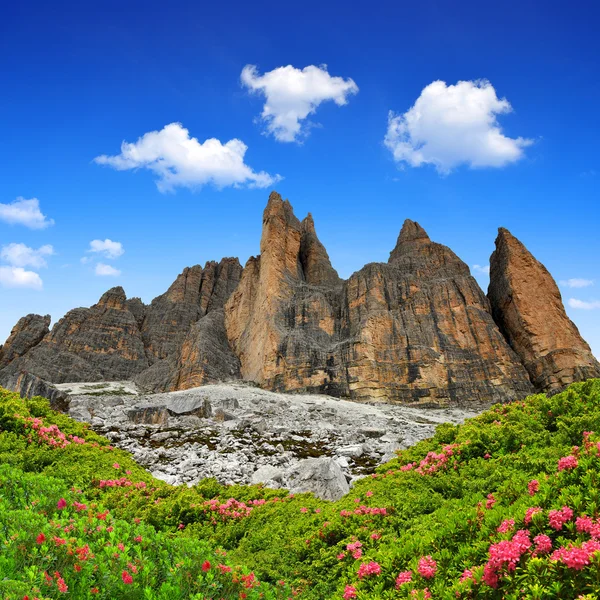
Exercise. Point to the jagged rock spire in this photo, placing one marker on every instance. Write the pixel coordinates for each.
(410, 234)
(527, 306)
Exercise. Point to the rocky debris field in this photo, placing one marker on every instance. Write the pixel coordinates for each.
(241, 434)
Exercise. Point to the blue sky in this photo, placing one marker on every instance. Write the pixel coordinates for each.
(81, 78)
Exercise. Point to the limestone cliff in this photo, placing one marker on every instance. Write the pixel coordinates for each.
(415, 329)
(528, 308)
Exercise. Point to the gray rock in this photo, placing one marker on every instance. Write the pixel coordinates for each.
(265, 474)
(149, 415)
(190, 405)
(321, 476)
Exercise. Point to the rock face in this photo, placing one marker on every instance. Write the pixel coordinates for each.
(415, 329)
(528, 308)
(178, 341)
(28, 386)
(89, 344)
(26, 334)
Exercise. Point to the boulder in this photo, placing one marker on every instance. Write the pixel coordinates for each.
(321, 476)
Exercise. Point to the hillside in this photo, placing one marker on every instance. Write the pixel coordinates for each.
(504, 506)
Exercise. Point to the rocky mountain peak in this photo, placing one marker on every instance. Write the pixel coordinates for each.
(410, 235)
(527, 306)
(315, 261)
(113, 298)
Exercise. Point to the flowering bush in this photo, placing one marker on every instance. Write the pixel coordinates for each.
(505, 506)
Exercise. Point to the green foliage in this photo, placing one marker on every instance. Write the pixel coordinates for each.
(445, 497)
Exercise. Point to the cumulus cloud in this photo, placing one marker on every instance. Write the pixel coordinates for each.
(451, 125)
(20, 255)
(482, 270)
(582, 304)
(179, 160)
(25, 212)
(577, 282)
(293, 94)
(106, 270)
(107, 248)
(17, 277)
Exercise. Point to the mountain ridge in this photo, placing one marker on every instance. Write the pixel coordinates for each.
(415, 329)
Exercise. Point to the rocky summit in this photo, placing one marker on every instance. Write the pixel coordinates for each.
(417, 329)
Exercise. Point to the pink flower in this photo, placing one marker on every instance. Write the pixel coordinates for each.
(116, 466)
(567, 462)
(341, 556)
(40, 539)
(62, 503)
(530, 512)
(490, 501)
(466, 575)
(427, 567)
(505, 526)
(543, 544)
(533, 486)
(367, 569)
(375, 536)
(403, 577)
(304, 509)
(206, 566)
(584, 524)
(369, 494)
(349, 592)
(357, 554)
(557, 518)
(126, 577)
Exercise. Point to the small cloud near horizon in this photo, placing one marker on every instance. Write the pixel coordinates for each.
(292, 94)
(576, 282)
(453, 125)
(482, 270)
(104, 270)
(584, 305)
(25, 212)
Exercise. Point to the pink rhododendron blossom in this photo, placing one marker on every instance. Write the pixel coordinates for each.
(533, 486)
(349, 592)
(427, 567)
(530, 512)
(543, 544)
(567, 463)
(367, 569)
(507, 525)
(403, 577)
(490, 501)
(62, 503)
(557, 518)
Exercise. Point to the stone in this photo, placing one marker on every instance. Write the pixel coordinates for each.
(221, 414)
(198, 406)
(265, 474)
(527, 305)
(353, 451)
(321, 476)
(149, 415)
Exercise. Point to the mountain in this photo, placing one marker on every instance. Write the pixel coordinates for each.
(415, 329)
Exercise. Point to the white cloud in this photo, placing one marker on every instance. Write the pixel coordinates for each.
(107, 270)
(450, 125)
(577, 282)
(106, 247)
(180, 160)
(25, 212)
(482, 270)
(20, 255)
(574, 303)
(293, 94)
(13, 277)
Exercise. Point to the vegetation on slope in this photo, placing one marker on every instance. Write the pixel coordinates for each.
(505, 506)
